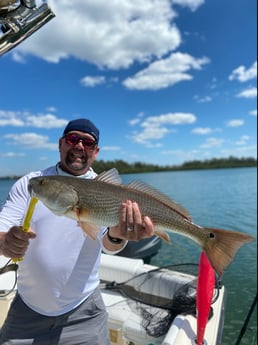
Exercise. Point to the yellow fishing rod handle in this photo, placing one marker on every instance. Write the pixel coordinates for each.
(27, 219)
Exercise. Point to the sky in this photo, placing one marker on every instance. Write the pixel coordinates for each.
(165, 81)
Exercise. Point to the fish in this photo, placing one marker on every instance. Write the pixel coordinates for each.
(97, 201)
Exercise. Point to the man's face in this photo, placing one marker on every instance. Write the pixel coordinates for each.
(78, 150)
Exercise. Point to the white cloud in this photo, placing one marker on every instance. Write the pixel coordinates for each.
(9, 119)
(149, 133)
(116, 34)
(156, 127)
(169, 119)
(253, 112)
(112, 33)
(200, 130)
(110, 148)
(212, 142)
(89, 81)
(30, 140)
(235, 123)
(248, 93)
(13, 155)
(181, 156)
(192, 4)
(204, 99)
(134, 122)
(44, 121)
(242, 74)
(241, 151)
(17, 57)
(25, 119)
(52, 109)
(243, 140)
(245, 137)
(165, 72)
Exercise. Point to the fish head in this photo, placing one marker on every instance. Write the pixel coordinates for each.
(57, 196)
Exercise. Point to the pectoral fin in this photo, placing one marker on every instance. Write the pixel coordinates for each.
(163, 235)
(90, 229)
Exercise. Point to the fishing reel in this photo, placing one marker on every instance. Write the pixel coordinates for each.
(19, 19)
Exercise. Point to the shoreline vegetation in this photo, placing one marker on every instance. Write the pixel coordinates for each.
(140, 167)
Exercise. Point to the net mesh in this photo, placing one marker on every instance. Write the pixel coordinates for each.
(159, 295)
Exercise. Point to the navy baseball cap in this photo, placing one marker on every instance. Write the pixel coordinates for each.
(82, 125)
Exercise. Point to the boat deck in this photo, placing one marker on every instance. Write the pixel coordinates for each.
(125, 323)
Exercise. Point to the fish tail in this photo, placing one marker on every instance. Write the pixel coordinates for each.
(222, 247)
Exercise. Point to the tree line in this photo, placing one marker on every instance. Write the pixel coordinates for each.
(140, 167)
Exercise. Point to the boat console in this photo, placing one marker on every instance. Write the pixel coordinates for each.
(20, 19)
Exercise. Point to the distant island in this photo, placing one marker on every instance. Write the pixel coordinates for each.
(140, 167)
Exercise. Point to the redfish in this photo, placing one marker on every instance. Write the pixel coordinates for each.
(98, 201)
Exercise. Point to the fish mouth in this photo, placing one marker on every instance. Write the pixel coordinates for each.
(30, 190)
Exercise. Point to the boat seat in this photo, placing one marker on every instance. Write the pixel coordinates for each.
(124, 320)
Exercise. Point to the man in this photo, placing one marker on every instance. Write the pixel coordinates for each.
(58, 299)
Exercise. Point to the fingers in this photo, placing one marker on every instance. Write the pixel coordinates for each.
(16, 242)
(148, 227)
(132, 225)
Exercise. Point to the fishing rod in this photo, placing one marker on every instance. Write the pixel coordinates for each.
(14, 266)
(9, 267)
(244, 328)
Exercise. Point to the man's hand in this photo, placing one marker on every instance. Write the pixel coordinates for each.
(132, 225)
(14, 243)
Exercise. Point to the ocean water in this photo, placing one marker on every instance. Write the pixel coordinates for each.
(223, 198)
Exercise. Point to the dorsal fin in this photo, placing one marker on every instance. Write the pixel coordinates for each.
(110, 176)
(145, 188)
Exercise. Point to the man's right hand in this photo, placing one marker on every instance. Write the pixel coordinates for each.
(14, 243)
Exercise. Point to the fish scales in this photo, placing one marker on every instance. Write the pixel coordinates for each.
(99, 200)
(105, 200)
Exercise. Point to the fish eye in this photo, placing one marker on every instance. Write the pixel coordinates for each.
(41, 182)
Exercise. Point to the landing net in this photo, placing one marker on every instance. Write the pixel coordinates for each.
(159, 295)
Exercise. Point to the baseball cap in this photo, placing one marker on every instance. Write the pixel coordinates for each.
(82, 125)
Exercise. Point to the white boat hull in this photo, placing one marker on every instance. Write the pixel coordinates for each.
(125, 325)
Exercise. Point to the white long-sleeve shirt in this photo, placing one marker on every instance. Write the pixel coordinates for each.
(60, 268)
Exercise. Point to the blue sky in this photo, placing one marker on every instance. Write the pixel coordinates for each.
(164, 81)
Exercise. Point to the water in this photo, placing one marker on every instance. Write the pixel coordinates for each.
(224, 198)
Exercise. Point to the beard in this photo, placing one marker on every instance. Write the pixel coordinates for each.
(76, 160)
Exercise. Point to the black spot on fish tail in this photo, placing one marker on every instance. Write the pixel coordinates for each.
(222, 247)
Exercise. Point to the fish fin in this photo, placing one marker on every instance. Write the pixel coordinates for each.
(222, 247)
(163, 235)
(90, 229)
(145, 188)
(110, 176)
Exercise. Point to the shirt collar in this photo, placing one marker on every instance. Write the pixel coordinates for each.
(89, 174)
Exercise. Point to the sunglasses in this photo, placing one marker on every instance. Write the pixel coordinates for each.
(74, 139)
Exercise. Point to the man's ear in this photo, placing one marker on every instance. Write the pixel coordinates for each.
(59, 144)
